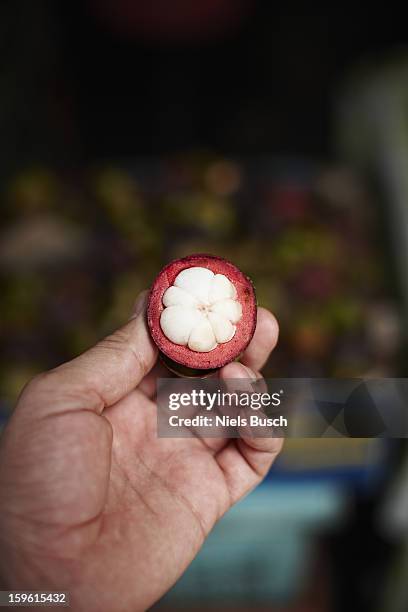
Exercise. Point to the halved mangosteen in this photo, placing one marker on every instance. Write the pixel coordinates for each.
(201, 314)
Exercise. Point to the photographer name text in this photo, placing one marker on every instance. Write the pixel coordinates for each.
(201, 420)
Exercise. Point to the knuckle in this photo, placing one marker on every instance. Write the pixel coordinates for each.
(122, 349)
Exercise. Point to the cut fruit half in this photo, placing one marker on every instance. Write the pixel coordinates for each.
(201, 313)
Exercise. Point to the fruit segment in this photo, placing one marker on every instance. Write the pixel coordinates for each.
(201, 310)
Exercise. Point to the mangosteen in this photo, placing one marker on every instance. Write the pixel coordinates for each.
(201, 314)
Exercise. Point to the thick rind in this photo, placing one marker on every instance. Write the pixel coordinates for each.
(223, 353)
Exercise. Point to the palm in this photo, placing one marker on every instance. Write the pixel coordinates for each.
(170, 486)
(110, 524)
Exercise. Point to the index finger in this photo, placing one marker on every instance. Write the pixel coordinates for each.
(264, 341)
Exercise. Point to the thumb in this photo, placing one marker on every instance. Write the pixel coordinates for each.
(103, 374)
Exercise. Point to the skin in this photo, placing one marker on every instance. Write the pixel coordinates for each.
(91, 501)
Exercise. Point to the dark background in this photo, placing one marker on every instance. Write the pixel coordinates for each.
(86, 79)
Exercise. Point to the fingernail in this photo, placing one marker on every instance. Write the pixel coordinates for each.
(139, 304)
(251, 373)
(243, 381)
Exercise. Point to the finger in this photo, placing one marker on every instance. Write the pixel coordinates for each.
(103, 374)
(148, 385)
(263, 342)
(238, 378)
(245, 461)
(232, 371)
(245, 464)
(235, 370)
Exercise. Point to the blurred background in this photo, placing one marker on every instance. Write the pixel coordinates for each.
(137, 131)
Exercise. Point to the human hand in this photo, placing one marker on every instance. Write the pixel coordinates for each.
(91, 500)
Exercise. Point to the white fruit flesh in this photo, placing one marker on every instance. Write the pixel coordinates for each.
(201, 310)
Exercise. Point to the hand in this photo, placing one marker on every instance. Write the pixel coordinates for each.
(91, 501)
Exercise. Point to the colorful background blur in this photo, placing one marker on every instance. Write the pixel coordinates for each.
(137, 132)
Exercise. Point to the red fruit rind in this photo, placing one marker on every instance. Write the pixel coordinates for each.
(223, 353)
